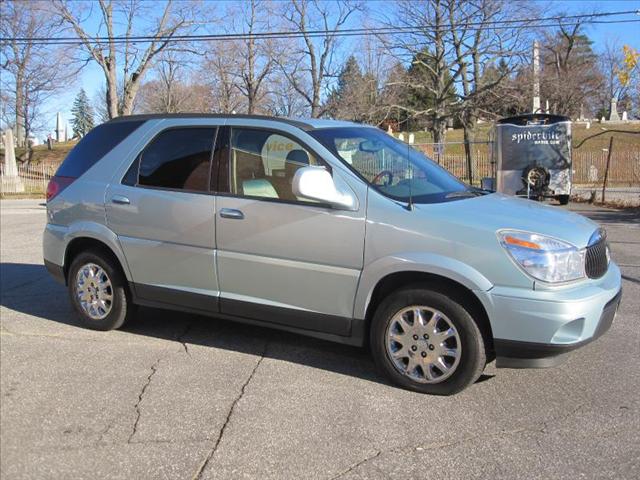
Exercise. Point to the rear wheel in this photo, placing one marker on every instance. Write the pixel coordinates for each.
(98, 291)
(424, 341)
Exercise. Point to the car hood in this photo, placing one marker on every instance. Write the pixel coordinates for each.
(496, 211)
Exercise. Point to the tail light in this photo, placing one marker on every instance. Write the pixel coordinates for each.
(56, 185)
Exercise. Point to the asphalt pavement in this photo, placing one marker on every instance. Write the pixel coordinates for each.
(180, 396)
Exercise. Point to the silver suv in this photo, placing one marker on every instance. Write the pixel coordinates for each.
(325, 228)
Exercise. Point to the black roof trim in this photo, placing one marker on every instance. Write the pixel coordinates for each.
(534, 118)
(163, 116)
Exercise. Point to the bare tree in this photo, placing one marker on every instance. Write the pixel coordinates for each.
(136, 57)
(476, 49)
(257, 55)
(425, 47)
(312, 64)
(172, 90)
(570, 74)
(220, 70)
(619, 67)
(281, 98)
(33, 71)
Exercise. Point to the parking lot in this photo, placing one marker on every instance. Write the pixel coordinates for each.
(173, 395)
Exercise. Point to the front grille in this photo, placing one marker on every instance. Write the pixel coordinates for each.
(597, 261)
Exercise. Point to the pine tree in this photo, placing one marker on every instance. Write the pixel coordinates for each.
(348, 100)
(82, 115)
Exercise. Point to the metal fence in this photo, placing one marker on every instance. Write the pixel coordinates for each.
(588, 169)
(32, 179)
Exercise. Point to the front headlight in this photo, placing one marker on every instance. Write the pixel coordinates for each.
(544, 258)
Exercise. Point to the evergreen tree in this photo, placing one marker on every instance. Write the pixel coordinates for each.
(82, 115)
(421, 93)
(348, 100)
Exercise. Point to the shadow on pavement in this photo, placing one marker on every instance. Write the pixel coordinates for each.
(29, 289)
(630, 216)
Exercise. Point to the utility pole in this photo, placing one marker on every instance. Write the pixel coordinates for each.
(536, 77)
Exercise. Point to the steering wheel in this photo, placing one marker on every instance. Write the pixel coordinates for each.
(383, 173)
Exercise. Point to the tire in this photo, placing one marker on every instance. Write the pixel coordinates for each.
(563, 199)
(117, 307)
(467, 342)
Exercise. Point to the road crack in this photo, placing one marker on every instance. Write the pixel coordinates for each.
(218, 441)
(541, 429)
(154, 369)
(181, 338)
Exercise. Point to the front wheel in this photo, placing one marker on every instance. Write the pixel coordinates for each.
(422, 340)
(563, 199)
(98, 291)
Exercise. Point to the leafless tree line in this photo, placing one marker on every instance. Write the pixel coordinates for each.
(449, 64)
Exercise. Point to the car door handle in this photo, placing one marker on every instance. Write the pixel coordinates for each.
(231, 213)
(120, 200)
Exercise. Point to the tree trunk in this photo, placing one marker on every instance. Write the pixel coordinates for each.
(20, 118)
(112, 90)
(468, 140)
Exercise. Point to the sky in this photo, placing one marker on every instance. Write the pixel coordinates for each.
(91, 77)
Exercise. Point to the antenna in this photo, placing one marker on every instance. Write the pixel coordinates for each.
(410, 169)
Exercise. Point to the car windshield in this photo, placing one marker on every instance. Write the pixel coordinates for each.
(391, 166)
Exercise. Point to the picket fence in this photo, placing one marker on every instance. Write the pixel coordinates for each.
(588, 169)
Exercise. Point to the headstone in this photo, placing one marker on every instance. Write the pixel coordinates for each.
(412, 138)
(613, 115)
(581, 118)
(588, 124)
(11, 181)
(625, 118)
(390, 130)
(546, 106)
(593, 173)
(602, 120)
(59, 128)
(536, 77)
(401, 137)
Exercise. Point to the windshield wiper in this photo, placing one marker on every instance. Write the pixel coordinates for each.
(463, 194)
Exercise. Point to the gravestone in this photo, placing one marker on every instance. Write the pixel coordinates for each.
(401, 137)
(411, 138)
(613, 115)
(11, 181)
(59, 128)
(390, 130)
(593, 173)
(625, 117)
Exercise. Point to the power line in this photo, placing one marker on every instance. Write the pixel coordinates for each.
(471, 26)
(346, 30)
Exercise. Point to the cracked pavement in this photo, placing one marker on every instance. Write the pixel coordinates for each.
(174, 395)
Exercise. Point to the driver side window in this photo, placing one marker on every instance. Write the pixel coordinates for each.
(263, 163)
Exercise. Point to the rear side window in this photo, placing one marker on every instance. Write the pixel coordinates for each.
(95, 145)
(179, 158)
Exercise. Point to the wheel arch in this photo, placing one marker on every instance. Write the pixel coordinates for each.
(453, 289)
(94, 236)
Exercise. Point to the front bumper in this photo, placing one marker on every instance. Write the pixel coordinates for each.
(537, 328)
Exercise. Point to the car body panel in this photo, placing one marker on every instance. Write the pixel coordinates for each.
(313, 269)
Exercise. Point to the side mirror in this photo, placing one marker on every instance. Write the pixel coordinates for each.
(316, 183)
